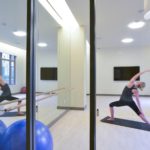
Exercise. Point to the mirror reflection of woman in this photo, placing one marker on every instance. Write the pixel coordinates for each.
(6, 94)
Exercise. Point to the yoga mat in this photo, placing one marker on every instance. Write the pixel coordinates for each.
(12, 114)
(128, 123)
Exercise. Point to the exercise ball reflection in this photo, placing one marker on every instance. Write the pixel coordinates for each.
(15, 137)
(2, 130)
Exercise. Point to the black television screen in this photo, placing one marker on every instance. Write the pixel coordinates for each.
(48, 73)
(125, 73)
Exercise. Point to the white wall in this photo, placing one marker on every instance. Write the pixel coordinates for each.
(45, 58)
(108, 58)
(20, 65)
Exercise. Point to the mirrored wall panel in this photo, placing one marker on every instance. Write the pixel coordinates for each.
(12, 72)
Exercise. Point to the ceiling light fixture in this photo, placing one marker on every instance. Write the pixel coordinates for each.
(147, 9)
(60, 11)
(127, 40)
(41, 44)
(136, 24)
(19, 33)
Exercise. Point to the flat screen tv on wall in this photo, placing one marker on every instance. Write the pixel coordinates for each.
(48, 73)
(125, 73)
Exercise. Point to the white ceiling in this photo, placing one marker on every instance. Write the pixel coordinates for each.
(13, 17)
(112, 17)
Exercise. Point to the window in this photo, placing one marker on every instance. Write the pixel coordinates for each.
(8, 67)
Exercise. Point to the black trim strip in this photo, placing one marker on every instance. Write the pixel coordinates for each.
(92, 78)
(30, 75)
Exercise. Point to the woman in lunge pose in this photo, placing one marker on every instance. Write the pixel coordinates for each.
(6, 94)
(126, 97)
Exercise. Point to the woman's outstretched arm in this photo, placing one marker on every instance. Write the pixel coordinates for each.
(133, 79)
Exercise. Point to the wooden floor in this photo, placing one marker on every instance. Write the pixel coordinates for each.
(72, 131)
(47, 110)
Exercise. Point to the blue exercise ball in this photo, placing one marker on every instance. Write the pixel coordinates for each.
(2, 130)
(15, 137)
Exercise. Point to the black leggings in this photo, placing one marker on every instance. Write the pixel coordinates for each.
(9, 98)
(131, 104)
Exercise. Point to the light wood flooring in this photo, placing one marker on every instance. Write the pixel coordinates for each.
(72, 131)
(47, 110)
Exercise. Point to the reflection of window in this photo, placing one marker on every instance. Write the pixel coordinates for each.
(7, 67)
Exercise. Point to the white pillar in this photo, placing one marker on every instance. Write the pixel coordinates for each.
(72, 68)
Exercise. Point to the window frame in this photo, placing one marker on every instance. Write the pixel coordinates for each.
(9, 60)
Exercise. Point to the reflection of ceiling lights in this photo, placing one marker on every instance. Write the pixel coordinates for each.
(60, 11)
(41, 44)
(136, 24)
(127, 40)
(19, 33)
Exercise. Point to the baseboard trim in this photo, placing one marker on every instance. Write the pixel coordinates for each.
(115, 95)
(57, 118)
(105, 94)
(71, 108)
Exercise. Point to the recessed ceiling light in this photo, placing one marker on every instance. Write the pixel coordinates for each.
(41, 44)
(127, 40)
(19, 33)
(136, 24)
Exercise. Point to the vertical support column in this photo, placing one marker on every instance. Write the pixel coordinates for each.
(30, 76)
(92, 78)
(71, 68)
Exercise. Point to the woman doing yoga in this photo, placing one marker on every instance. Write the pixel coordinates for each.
(126, 97)
(6, 94)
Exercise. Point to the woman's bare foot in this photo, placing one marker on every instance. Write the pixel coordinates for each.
(111, 119)
(21, 114)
